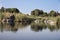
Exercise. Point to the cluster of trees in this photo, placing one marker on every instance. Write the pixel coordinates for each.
(10, 10)
(35, 12)
(38, 12)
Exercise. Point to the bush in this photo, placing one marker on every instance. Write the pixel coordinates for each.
(58, 22)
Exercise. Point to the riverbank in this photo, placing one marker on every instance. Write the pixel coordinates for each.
(19, 17)
(16, 17)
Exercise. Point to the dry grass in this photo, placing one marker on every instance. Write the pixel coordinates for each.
(19, 16)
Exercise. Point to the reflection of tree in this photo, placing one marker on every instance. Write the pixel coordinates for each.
(1, 27)
(58, 22)
(40, 26)
(36, 28)
(51, 27)
(12, 26)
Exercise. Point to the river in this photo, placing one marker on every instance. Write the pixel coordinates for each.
(26, 31)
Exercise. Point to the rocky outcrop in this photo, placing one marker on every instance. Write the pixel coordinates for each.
(49, 22)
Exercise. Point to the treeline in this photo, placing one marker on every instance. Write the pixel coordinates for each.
(13, 15)
(10, 10)
(35, 12)
(38, 12)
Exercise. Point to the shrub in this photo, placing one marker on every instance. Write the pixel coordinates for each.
(58, 22)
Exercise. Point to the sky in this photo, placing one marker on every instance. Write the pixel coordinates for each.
(26, 6)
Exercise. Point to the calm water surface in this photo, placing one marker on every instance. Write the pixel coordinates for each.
(25, 31)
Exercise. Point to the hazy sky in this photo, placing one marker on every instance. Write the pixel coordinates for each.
(26, 6)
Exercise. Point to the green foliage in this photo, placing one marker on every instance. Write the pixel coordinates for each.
(2, 9)
(52, 13)
(58, 22)
(41, 13)
(45, 14)
(1, 16)
(10, 10)
(37, 12)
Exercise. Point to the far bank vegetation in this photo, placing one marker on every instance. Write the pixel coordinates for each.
(6, 13)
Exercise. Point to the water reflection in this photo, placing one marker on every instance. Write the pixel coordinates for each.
(41, 26)
(38, 26)
(12, 26)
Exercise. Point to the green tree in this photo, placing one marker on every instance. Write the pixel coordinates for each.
(52, 13)
(45, 14)
(2, 9)
(12, 10)
(37, 12)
